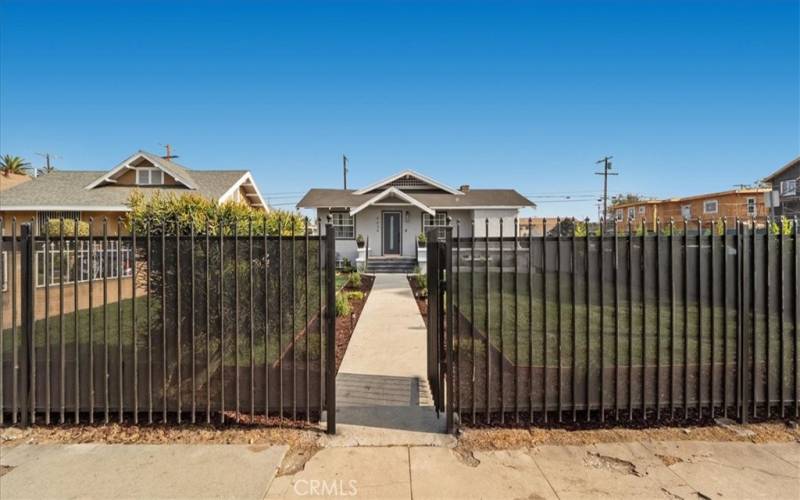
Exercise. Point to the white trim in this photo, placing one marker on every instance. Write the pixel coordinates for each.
(716, 206)
(126, 165)
(247, 176)
(393, 190)
(482, 207)
(412, 173)
(66, 208)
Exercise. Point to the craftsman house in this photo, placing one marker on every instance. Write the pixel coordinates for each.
(390, 214)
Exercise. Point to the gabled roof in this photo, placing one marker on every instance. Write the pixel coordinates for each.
(783, 169)
(410, 173)
(178, 172)
(473, 199)
(394, 192)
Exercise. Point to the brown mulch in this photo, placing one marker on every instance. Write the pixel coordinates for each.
(345, 326)
(422, 302)
(495, 439)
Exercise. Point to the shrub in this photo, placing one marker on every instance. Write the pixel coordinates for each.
(355, 295)
(355, 280)
(53, 228)
(422, 282)
(421, 239)
(342, 305)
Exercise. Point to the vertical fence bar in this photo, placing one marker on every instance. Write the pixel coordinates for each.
(321, 289)
(643, 274)
(630, 319)
(305, 321)
(236, 316)
(796, 306)
(658, 318)
(558, 318)
(740, 408)
(587, 272)
(745, 305)
(330, 288)
(208, 319)
(120, 361)
(502, 332)
(458, 334)
(450, 354)
(134, 278)
(574, 325)
(47, 281)
(192, 314)
(251, 323)
(76, 325)
(713, 304)
(280, 318)
(28, 314)
(293, 346)
(699, 380)
(753, 333)
(685, 318)
(516, 320)
(781, 300)
(472, 318)
(62, 346)
(544, 320)
(602, 319)
(616, 323)
(164, 322)
(725, 321)
(4, 262)
(221, 278)
(148, 277)
(768, 313)
(673, 318)
(488, 324)
(14, 313)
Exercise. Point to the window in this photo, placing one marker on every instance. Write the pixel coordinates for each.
(3, 272)
(149, 176)
(81, 265)
(618, 214)
(631, 213)
(751, 206)
(43, 217)
(344, 225)
(641, 211)
(686, 211)
(789, 188)
(439, 219)
(710, 206)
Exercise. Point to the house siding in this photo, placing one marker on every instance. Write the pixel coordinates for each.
(790, 205)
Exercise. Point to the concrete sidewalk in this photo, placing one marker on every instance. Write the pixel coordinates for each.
(682, 469)
(382, 395)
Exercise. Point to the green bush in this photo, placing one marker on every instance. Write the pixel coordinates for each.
(53, 228)
(179, 214)
(356, 295)
(342, 305)
(421, 239)
(355, 280)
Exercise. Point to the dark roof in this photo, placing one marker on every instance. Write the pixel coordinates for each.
(474, 198)
(67, 188)
(783, 169)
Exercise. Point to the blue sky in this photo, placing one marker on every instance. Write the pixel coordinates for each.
(688, 96)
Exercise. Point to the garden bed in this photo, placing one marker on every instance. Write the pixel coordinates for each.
(420, 296)
(347, 323)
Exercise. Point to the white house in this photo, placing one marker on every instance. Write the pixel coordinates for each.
(391, 213)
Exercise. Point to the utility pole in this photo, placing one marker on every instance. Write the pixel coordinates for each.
(344, 170)
(48, 166)
(605, 173)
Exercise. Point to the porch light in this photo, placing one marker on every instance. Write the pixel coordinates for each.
(406, 215)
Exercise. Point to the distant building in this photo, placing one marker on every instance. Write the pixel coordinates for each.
(785, 181)
(744, 203)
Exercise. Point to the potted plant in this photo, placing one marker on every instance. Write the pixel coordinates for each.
(360, 241)
(421, 240)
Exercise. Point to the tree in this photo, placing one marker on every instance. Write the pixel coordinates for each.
(13, 165)
(620, 199)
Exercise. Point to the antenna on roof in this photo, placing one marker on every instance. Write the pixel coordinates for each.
(344, 169)
(169, 156)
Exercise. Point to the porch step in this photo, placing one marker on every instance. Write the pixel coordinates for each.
(391, 265)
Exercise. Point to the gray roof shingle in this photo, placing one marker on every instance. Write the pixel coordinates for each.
(63, 188)
(327, 198)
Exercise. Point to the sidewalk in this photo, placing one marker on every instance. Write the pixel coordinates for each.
(684, 469)
(382, 395)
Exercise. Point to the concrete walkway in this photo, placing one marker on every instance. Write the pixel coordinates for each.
(382, 395)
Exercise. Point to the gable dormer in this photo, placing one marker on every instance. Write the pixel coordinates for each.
(145, 170)
(411, 181)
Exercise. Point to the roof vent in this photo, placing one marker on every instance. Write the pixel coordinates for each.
(464, 188)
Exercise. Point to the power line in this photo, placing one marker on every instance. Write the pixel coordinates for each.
(605, 173)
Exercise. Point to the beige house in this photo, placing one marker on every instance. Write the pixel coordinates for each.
(95, 195)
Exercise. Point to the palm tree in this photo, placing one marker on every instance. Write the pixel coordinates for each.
(13, 165)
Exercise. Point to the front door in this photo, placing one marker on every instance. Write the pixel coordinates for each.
(391, 233)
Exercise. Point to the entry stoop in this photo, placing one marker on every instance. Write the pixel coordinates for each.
(403, 265)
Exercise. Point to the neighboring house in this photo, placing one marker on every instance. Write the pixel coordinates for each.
(100, 194)
(743, 203)
(393, 212)
(89, 193)
(786, 181)
(537, 226)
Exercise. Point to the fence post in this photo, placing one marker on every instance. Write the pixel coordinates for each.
(330, 348)
(448, 337)
(27, 313)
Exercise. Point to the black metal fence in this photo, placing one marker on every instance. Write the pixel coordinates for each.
(159, 327)
(672, 324)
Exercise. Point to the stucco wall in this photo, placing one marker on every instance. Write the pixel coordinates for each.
(494, 216)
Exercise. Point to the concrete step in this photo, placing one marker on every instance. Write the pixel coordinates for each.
(391, 264)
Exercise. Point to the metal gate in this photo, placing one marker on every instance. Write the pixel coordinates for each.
(440, 322)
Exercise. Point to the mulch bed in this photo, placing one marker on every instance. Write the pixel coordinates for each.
(422, 302)
(344, 325)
